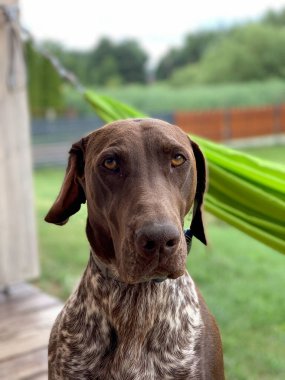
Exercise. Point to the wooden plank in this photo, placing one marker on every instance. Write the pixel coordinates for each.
(32, 365)
(42, 376)
(30, 302)
(26, 317)
(17, 292)
(24, 333)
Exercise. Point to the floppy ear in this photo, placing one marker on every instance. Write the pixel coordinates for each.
(197, 227)
(71, 195)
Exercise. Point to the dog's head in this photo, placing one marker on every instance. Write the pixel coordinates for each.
(140, 178)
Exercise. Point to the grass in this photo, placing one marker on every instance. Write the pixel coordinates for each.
(63, 250)
(163, 98)
(273, 153)
(242, 280)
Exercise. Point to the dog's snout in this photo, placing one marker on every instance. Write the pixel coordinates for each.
(157, 239)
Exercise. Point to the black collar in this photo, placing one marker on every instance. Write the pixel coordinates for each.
(188, 236)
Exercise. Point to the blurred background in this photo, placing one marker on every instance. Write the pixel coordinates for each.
(216, 70)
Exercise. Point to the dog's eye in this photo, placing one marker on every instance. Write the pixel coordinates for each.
(111, 164)
(178, 160)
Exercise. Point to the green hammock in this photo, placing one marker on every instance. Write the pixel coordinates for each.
(247, 192)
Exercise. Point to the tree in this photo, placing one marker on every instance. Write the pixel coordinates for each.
(251, 52)
(192, 51)
(117, 63)
(131, 61)
(276, 18)
(248, 52)
(170, 62)
(102, 65)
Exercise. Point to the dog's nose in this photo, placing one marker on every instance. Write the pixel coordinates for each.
(157, 239)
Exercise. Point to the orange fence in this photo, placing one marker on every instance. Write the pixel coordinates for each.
(220, 125)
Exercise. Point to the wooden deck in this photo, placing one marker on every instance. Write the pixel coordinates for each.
(26, 317)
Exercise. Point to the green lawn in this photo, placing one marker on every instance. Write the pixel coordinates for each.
(242, 281)
(273, 153)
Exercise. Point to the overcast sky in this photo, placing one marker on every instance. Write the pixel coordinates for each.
(156, 24)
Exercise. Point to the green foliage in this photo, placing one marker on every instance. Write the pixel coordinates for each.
(276, 18)
(250, 51)
(185, 76)
(131, 62)
(246, 53)
(253, 52)
(110, 63)
(191, 52)
(102, 66)
(163, 98)
(168, 64)
(73, 60)
(44, 84)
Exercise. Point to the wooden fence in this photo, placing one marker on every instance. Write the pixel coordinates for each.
(222, 125)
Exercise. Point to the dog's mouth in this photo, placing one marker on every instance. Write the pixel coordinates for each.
(157, 270)
(156, 278)
(172, 276)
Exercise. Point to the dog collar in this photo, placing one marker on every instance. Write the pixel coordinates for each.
(103, 269)
(188, 236)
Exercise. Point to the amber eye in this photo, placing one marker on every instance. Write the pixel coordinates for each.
(111, 164)
(178, 160)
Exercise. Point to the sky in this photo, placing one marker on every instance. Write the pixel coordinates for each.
(156, 24)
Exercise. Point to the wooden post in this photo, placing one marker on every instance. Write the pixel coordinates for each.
(18, 248)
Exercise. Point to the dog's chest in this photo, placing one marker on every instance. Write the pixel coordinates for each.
(158, 346)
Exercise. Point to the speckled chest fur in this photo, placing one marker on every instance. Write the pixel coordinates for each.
(159, 326)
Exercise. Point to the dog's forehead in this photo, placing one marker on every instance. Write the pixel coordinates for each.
(133, 132)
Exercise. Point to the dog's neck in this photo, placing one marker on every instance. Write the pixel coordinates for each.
(132, 321)
(134, 310)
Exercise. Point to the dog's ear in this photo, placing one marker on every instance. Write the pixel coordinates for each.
(71, 195)
(197, 227)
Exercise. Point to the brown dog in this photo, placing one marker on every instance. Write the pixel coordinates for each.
(136, 314)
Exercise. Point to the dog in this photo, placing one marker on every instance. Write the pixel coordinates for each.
(136, 314)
